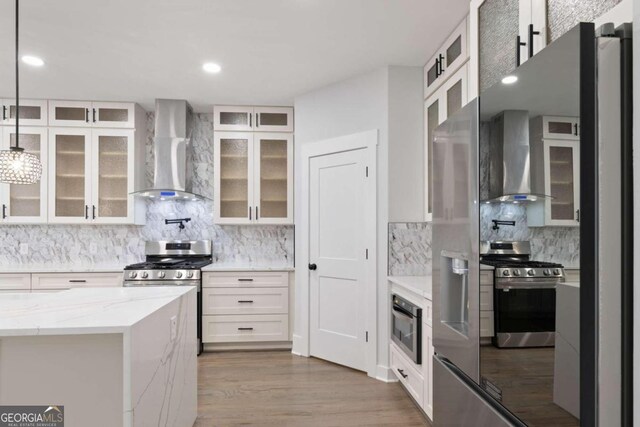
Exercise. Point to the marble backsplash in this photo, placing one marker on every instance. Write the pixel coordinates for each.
(96, 245)
(410, 243)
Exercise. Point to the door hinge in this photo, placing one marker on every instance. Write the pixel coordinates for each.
(367, 336)
(366, 171)
(366, 253)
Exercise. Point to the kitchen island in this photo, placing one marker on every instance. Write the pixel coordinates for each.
(111, 356)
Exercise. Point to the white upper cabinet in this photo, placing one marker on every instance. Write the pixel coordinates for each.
(33, 112)
(93, 114)
(244, 119)
(449, 98)
(554, 127)
(253, 178)
(91, 176)
(25, 203)
(447, 60)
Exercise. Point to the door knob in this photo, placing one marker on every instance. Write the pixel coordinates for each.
(313, 267)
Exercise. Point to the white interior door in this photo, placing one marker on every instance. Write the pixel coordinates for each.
(337, 221)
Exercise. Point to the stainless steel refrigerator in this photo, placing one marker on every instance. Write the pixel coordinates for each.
(584, 74)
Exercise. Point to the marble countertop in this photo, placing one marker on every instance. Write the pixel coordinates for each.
(420, 285)
(63, 268)
(246, 267)
(82, 311)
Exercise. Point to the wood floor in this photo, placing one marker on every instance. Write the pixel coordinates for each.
(525, 376)
(277, 388)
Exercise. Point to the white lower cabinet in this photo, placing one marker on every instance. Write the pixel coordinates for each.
(49, 281)
(245, 307)
(15, 282)
(486, 304)
(407, 373)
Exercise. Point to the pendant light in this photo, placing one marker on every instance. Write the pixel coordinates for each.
(16, 165)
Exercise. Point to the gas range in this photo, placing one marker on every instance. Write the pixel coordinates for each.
(170, 263)
(511, 261)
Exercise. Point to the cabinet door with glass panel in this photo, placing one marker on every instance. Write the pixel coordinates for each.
(233, 118)
(447, 60)
(69, 175)
(562, 182)
(33, 112)
(112, 176)
(92, 114)
(25, 203)
(233, 171)
(273, 119)
(273, 166)
(449, 98)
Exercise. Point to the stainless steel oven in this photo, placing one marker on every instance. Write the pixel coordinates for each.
(406, 327)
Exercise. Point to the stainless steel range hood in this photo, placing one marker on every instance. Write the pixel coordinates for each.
(173, 153)
(510, 159)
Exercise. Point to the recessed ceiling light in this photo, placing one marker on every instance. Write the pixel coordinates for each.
(509, 80)
(32, 60)
(211, 67)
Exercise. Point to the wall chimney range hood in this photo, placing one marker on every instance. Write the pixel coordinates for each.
(173, 153)
(510, 160)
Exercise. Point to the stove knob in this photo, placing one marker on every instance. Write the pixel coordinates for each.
(189, 274)
(506, 273)
(144, 275)
(161, 275)
(133, 275)
(516, 273)
(178, 274)
(556, 272)
(531, 273)
(546, 272)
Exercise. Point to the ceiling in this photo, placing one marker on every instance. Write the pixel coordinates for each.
(270, 50)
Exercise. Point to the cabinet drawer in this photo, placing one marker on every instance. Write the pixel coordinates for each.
(486, 323)
(486, 298)
(486, 277)
(408, 375)
(75, 280)
(245, 301)
(15, 281)
(245, 328)
(245, 280)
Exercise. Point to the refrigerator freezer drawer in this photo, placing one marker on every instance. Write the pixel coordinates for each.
(456, 404)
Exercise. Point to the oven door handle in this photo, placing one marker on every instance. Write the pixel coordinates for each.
(403, 314)
(528, 286)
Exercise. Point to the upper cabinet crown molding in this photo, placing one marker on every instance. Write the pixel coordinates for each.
(448, 58)
(93, 114)
(252, 119)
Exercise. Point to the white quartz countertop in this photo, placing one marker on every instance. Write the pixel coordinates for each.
(420, 285)
(246, 267)
(62, 268)
(82, 311)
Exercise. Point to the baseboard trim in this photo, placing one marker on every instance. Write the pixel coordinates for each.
(385, 374)
(247, 346)
(299, 347)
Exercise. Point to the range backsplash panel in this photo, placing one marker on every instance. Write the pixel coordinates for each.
(111, 245)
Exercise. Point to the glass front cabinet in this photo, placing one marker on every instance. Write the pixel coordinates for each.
(447, 60)
(449, 98)
(252, 119)
(25, 203)
(253, 178)
(92, 174)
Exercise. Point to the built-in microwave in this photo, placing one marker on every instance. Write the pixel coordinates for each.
(406, 327)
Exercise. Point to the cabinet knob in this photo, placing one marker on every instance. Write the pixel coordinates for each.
(313, 267)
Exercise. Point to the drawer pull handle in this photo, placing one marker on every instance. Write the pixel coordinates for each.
(245, 280)
(402, 373)
(245, 329)
(77, 281)
(246, 301)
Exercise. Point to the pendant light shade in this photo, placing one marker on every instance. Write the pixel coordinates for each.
(16, 165)
(19, 167)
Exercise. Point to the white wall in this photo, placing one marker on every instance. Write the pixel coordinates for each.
(387, 98)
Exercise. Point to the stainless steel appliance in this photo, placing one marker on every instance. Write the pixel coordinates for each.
(524, 295)
(406, 327)
(172, 263)
(578, 75)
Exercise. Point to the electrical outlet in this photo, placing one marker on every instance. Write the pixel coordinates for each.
(174, 327)
(24, 249)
